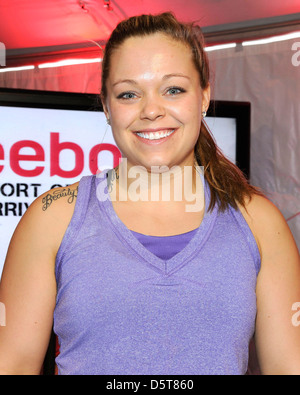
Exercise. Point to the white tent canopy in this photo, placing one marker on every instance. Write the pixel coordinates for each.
(34, 29)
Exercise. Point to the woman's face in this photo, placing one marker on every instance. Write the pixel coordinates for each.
(154, 101)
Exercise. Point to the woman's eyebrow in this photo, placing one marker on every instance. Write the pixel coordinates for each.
(125, 81)
(165, 77)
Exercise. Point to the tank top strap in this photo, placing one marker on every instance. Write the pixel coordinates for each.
(84, 196)
(249, 237)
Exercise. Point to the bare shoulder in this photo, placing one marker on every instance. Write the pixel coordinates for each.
(64, 195)
(55, 208)
(58, 201)
(49, 214)
(259, 211)
(268, 225)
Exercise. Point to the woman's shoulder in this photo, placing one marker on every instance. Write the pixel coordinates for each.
(262, 212)
(57, 199)
(50, 213)
(266, 222)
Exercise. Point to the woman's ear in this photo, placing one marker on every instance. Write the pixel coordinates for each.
(105, 109)
(205, 98)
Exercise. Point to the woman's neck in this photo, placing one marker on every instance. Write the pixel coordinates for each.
(179, 184)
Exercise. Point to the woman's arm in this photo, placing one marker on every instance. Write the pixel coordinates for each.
(28, 286)
(278, 289)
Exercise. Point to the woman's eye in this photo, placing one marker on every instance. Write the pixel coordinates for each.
(175, 91)
(126, 95)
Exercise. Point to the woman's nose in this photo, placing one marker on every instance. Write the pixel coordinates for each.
(152, 108)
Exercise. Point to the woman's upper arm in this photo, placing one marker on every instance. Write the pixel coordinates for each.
(28, 289)
(278, 289)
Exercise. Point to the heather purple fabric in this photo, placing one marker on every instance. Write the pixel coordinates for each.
(122, 310)
(165, 247)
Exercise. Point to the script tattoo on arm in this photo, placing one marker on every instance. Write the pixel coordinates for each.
(71, 194)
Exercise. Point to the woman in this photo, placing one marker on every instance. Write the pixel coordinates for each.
(146, 284)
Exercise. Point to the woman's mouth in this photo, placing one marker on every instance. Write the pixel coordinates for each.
(155, 135)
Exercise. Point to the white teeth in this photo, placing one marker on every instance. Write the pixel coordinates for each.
(155, 135)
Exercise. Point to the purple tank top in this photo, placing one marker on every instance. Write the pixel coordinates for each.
(123, 310)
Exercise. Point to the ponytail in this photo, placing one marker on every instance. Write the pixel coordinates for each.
(228, 185)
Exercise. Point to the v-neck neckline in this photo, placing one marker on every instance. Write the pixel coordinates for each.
(165, 267)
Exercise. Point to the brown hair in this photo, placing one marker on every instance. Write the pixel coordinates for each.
(228, 185)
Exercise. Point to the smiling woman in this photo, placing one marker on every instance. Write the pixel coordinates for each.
(154, 112)
(140, 287)
(172, 61)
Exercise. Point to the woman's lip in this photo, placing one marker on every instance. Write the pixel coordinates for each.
(158, 141)
(154, 130)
